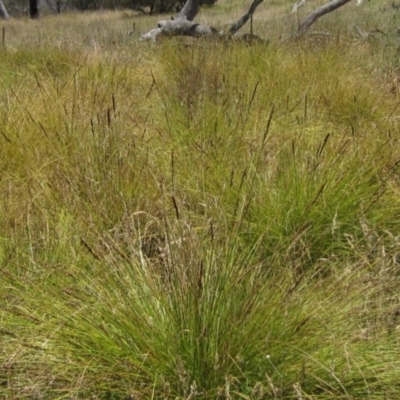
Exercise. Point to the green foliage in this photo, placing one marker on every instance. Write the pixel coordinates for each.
(196, 219)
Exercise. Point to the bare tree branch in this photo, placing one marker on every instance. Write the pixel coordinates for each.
(362, 34)
(3, 11)
(318, 13)
(297, 6)
(242, 20)
(189, 10)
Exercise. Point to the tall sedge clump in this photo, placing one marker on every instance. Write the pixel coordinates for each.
(312, 181)
(209, 322)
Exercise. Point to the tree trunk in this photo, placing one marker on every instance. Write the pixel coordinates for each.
(3, 11)
(33, 9)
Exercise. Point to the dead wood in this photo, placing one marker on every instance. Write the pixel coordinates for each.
(318, 13)
(189, 10)
(3, 11)
(183, 25)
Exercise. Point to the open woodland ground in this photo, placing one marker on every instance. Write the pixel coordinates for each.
(198, 219)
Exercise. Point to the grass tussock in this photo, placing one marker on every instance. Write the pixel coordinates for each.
(197, 219)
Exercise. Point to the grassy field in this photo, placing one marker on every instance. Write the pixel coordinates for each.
(198, 219)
